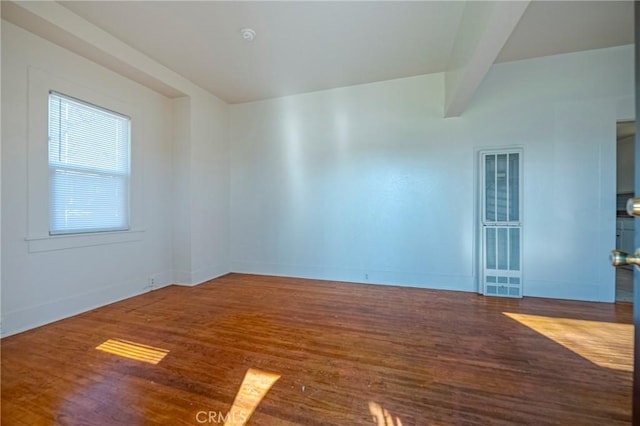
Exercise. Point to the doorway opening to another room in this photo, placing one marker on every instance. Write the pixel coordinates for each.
(625, 224)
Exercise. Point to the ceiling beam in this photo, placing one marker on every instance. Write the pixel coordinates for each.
(484, 29)
(59, 25)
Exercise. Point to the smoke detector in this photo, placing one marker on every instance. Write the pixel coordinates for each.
(248, 34)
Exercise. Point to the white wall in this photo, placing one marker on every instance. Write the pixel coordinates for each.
(366, 183)
(43, 286)
(209, 168)
(200, 189)
(181, 190)
(370, 184)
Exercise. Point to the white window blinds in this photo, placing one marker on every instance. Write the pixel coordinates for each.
(89, 167)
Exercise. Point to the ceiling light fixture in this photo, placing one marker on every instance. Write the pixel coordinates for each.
(248, 34)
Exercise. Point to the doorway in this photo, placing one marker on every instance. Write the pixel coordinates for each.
(625, 224)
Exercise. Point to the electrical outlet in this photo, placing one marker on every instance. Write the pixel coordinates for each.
(366, 276)
(151, 283)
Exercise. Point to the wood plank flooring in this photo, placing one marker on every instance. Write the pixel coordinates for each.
(322, 353)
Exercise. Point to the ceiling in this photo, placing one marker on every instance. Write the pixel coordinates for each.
(307, 46)
(554, 27)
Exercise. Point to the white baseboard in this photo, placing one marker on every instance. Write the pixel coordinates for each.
(181, 277)
(584, 291)
(199, 276)
(35, 316)
(20, 320)
(397, 278)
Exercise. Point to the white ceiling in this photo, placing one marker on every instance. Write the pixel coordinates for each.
(553, 27)
(307, 46)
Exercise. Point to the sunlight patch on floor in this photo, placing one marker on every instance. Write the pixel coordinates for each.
(133, 350)
(382, 417)
(254, 387)
(605, 344)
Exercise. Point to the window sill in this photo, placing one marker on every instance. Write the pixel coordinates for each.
(63, 242)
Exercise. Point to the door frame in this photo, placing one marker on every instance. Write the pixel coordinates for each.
(636, 273)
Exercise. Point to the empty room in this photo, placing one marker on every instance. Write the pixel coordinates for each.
(318, 213)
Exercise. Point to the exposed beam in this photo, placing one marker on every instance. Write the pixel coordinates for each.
(59, 25)
(484, 29)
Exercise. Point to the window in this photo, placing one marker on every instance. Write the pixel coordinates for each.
(89, 167)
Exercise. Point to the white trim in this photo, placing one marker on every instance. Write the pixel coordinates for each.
(198, 276)
(67, 241)
(41, 83)
(356, 275)
(181, 277)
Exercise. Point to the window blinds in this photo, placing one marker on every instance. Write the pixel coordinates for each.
(89, 167)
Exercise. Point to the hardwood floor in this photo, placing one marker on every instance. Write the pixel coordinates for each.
(321, 353)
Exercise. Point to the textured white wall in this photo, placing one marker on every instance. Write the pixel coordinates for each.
(370, 184)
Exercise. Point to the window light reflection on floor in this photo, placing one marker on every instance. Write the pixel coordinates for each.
(382, 417)
(605, 344)
(133, 350)
(254, 387)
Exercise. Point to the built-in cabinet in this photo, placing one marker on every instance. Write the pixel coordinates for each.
(625, 234)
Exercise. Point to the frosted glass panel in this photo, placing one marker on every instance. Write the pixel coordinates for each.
(503, 260)
(491, 248)
(490, 188)
(501, 188)
(514, 249)
(514, 187)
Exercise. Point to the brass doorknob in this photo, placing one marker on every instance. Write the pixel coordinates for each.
(633, 206)
(620, 258)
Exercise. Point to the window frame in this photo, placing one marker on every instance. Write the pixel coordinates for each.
(38, 237)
